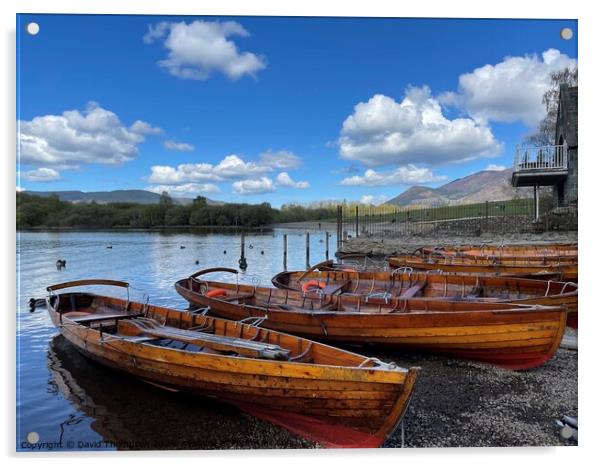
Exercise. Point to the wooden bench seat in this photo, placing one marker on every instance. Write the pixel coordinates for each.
(413, 291)
(335, 288)
(100, 317)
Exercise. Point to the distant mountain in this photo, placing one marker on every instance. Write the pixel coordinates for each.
(486, 185)
(137, 196)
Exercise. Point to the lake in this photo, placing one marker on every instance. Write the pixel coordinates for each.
(74, 404)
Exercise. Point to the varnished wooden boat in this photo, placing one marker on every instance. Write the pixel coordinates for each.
(539, 268)
(333, 396)
(510, 335)
(434, 286)
(552, 252)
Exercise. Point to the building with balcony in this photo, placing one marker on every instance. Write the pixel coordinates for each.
(555, 165)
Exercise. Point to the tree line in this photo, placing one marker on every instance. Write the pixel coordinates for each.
(50, 212)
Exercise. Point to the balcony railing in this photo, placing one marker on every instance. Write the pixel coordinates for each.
(541, 158)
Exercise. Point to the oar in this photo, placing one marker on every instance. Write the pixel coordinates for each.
(253, 349)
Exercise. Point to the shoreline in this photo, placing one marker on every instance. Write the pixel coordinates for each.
(381, 246)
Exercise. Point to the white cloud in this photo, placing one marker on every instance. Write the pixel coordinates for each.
(73, 138)
(231, 167)
(184, 173)
(41, 175)
(254, 186)
(185, 189)
(281, 159)
(383, 131)
(495, 168)
(370, 199)
(510, 90)
(407, 174)
(284, 179)
(198, 49)
(142, 127)
(178, 146)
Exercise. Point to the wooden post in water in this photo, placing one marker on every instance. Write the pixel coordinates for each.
(242, 262)
(327, 240)
(307, 264)
(285, 250)
(339, 229)
(357, 221)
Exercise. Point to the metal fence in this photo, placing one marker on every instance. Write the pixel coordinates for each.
(541, 158)
(500, 216)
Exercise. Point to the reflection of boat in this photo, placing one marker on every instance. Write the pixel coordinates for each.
(527, 268)
(333, 396)
(510, 335)
(435, 286)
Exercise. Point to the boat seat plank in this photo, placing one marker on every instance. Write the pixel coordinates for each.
(141, 339)
(413, 291)
(100, 317)
(149, 327)
(335, 288)
(237, 297)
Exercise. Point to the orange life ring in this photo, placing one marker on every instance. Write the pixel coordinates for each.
(312, 284)
(216, 292)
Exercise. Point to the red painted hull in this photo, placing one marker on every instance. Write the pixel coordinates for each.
(327, 435)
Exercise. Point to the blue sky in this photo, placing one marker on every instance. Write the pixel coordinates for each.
(253, 109)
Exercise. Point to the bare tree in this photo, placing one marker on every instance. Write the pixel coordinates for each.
(546, 131)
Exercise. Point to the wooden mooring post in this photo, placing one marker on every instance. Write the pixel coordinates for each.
(326, 241)
(285, 250)
(307, 264)
(242, 262)
(357, 221)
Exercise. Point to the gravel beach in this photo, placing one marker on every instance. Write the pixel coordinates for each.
(461, 403)
(383, 246)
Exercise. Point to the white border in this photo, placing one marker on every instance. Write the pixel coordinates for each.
(589, 117)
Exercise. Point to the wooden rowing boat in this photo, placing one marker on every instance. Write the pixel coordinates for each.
(540, 268)
(552, 252)
(510, 335)
(434, 286)
(333, 396)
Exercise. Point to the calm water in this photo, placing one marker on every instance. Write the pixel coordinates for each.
(72, 403)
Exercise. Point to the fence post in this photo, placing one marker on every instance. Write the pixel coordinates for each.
(486, 215)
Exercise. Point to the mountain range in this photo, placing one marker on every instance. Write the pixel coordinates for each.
(486, 185)
(138, 196)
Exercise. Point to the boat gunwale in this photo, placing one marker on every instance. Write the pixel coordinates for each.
(383, 366)
(505, 307)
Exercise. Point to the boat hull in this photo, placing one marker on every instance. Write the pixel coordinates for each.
(510, 338)
(362, 407)
(562, 271)
(439, 286)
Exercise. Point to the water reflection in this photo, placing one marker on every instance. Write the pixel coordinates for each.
(65, 398)
(130, 414)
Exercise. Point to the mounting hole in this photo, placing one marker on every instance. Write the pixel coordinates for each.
(566, 33)
(32, 28)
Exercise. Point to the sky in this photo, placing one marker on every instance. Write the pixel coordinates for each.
(279, 110)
